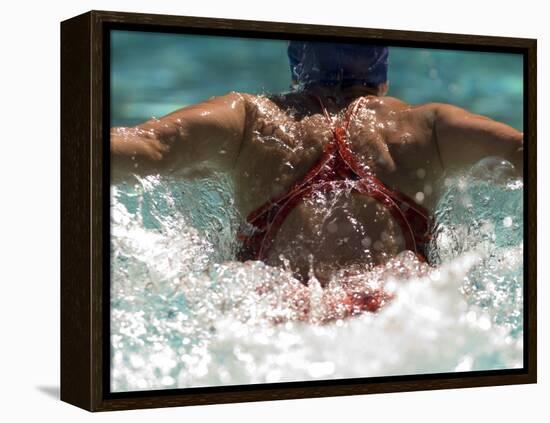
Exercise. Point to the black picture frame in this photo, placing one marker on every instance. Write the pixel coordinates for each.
(85, 242)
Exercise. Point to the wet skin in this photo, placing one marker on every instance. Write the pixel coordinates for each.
(269, 143)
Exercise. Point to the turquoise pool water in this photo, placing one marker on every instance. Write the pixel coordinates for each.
(184, 313)
(153, 74)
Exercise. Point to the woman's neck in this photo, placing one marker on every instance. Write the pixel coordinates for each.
(340, 96)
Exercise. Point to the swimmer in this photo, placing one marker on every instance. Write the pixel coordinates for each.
(333, 176)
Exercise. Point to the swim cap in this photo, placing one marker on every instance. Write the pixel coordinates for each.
(320, 63)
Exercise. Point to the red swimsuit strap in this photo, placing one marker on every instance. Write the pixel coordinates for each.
(328, 155)
(336, 165)
(412, 218)
(351, 160)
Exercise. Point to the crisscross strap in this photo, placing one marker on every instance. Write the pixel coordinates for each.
(336, 166)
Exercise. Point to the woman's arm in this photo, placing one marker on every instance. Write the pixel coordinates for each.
(206, 134)
(463, 137)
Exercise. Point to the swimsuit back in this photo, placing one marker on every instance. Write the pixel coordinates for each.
(334, 170)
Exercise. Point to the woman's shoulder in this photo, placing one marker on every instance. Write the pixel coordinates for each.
(387, 102)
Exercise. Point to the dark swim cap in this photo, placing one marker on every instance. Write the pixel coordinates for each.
(320, 63)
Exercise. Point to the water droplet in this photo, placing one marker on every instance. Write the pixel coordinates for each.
(484, 323)
(428, 189)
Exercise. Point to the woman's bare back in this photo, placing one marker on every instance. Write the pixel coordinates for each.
(285, 136)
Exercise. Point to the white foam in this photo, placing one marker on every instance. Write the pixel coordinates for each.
(184, 314)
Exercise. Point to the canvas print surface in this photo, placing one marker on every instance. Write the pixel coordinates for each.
(297, 210)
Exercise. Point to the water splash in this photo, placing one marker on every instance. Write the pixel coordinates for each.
(185, 313)
(483, 209)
